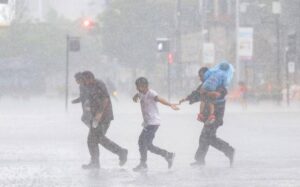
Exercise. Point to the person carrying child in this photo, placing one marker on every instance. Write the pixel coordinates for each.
(219, 76)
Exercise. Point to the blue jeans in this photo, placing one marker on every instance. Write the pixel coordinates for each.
(145, 143)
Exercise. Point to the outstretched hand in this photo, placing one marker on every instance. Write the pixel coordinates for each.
(181, 101)
(135, 98)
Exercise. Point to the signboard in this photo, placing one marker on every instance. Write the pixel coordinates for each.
(191, 47)
(291, 67)
(208, 53)
(74, 44)
(245, 42)
(163, 44)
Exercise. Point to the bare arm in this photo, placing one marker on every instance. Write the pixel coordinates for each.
(165, 102)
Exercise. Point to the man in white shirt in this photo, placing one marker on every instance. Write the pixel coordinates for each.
(148, 99)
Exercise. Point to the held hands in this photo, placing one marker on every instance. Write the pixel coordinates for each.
(174, 106)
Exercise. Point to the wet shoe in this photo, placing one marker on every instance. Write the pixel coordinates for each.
(231, 158)
(123, 157)
(170, 159)
(211, 119)
(197, 164)
(141, 167)
(91, 165)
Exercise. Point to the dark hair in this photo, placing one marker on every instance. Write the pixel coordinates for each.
(78, 76)
(88, 75)
(202, 70)
(141, 81)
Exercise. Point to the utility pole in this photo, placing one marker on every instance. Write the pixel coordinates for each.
(276, 9)
(237, 26)
(67, 73)
(178, 46)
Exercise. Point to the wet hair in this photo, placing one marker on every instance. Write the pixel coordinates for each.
(202, 70)
(224, 66)
(78, 76)
(88, 75)
(141, 81)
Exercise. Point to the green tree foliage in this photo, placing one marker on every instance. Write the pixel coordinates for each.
(41, 42)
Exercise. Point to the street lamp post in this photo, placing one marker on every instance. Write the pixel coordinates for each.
(67, 73)
(73, 45)
(276, 9)
(237, 26)
(178, 46)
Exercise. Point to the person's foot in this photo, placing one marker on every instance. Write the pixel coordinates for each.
(231, 158)
(170, 159)
(123, 157)
(91, 165)
(141, 167)
(197, 164)
(200, 117)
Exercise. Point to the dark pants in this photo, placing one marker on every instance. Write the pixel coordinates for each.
(208, 136)
(97, 136)
(145, 143)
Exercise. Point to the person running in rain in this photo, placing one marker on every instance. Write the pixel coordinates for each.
(148, 100)
(220, 75)
(208, 135)
(102, 114)
(83, 99)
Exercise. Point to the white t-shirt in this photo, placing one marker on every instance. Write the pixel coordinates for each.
(149, 108)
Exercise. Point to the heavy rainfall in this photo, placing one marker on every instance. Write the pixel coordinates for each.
(133, 93)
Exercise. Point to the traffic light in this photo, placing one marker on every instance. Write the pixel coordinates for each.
(170, 58)
(163, 44)
(88, 23)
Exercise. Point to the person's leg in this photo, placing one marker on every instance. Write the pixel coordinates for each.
(203, 146)
(156, 150)
(93, 147)
(211, 108)
(142, 142)
(216, 142)
(143, 145)
(201, 116)
(110, 145)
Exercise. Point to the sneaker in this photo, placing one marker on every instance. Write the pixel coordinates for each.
(170, 159)
(211, 118)
(123, 157)
(141, 167)
(91, 165)
(231, 158)
(200, 117)
(197, 164)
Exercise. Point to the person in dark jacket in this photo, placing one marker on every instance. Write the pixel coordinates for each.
(208, 135)
(102, 114)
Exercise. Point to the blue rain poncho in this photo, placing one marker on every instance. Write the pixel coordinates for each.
(218, 76)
